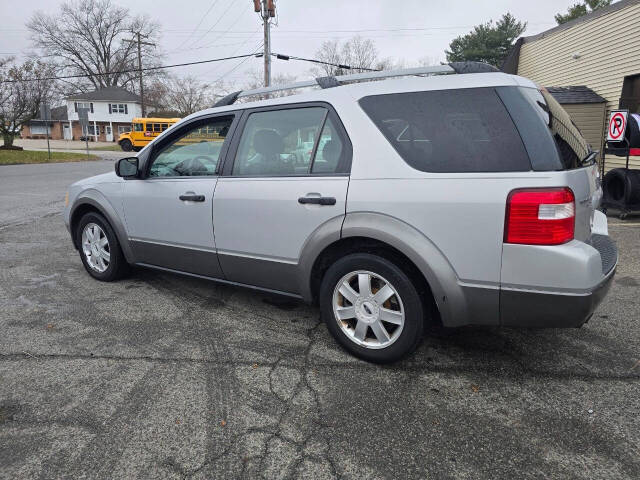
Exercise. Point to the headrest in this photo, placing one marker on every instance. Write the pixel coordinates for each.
(331, 151)
(268, 142)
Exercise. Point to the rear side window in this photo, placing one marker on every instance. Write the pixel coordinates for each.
(466, 130)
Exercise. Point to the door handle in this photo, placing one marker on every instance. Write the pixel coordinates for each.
(317, 200)
(191, 198)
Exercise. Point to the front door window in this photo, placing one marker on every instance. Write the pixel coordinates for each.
(194, 153)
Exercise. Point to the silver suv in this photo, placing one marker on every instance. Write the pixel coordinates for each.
(449, 199)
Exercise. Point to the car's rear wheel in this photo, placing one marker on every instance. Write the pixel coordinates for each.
(372, 307)
(99, 248)
(126, 145)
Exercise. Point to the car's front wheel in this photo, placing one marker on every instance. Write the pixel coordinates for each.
(372, 308)
(99, 248)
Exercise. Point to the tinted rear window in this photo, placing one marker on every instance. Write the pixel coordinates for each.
(467, 130)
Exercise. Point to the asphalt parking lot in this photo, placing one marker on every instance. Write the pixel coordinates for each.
(161, 376)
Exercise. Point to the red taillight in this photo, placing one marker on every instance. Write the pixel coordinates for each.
(540, 216)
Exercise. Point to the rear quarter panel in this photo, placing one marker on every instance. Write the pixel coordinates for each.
(461, 214)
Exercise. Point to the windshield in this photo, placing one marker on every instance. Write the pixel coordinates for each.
(572, 146)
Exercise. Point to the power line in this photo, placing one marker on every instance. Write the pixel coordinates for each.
(208, 72)
(280, 56)
(237, 66)
(146, 69)
(199, 23)
(226, 31)
(397, 29)
(213, 26)
(171, 52)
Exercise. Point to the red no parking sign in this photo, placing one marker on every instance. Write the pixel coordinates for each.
(617, 125)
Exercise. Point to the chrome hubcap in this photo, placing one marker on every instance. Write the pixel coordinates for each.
(95, 247)
(368, 309)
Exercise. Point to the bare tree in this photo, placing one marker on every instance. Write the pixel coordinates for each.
(85, 38)
(358, 53)
(156, 93)
(256, 80)
(187, 95)
(181, 96)
(21, 95)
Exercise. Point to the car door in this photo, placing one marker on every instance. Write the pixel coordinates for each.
(169, 211)
(271, 199)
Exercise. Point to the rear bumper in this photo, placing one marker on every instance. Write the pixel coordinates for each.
(520, 308)
(535, 307)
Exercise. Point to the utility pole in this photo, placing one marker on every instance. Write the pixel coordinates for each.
(267, 10)
(140, 43)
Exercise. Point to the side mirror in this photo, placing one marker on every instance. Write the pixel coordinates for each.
(127, 167)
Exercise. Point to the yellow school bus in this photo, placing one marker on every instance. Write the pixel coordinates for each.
(143, 130)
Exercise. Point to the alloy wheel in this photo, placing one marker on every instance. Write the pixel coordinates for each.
(368, 309)
(95, 247)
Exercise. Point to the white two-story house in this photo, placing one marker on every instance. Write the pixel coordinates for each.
(111, 111)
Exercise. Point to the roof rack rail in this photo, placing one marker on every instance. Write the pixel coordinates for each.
(328, 82)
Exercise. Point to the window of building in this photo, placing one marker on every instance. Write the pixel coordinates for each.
(91, 130)
(118, 108)
(87, 105)
(38, 129)
(123, 129)
(630, 98)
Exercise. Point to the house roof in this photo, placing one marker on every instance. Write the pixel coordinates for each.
(575, 94)
(115, 94)
(58, 114)
(510, 64)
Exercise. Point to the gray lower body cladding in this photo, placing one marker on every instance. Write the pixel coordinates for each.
(550, 310)
(523, 308)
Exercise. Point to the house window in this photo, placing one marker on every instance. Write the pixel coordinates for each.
(630, 98)
(87, 105)
(38, 129)
(118, 108)
(92, 130)
(123, 129)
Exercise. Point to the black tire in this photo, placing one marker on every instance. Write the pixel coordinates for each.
(126, 145)
(137, 149)
(118, 266)
(413, 328)
(622, 186)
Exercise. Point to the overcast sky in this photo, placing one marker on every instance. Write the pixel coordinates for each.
(406, 29)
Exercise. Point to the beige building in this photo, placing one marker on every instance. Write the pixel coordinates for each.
(600, 51)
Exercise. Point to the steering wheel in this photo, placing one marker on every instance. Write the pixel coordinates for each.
(193, 166)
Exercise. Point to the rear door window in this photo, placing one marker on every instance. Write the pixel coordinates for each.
(464, 130)
(279, 142)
